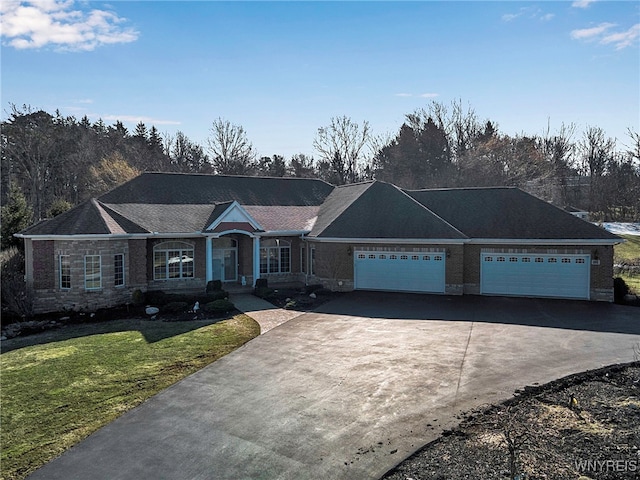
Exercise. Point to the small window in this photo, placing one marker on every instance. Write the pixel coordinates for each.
(393, 257)
(426, 257)
(382, 257)
(579, 260)
(415, 257)
(118, 270)
(513, 259)
(488, 259)
(566, 260)
(438, 258)
(526, 260)
(372, 256)
(65, 272)
(552, 260)
(92, 272)
(500, 259)
(404, 257)
(362, 255)
(539, 260)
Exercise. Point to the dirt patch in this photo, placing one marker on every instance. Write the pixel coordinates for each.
(585, 426)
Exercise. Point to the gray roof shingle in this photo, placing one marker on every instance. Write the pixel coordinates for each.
(378, 210)
(506, 213)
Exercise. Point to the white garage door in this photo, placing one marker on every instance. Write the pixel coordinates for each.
(400, 271)
(535, 275)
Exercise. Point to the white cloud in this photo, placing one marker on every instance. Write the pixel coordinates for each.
(623, 39)
(137, 119)
(591, 33)
(42, 23)
(534, 13)
(582, 3)
(429, 95)
(507, 17)
(605, 36)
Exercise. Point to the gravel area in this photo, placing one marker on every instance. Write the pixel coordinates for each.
(585, 426)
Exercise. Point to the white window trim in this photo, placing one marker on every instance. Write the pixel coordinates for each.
(186, 247)
(118, 285)
(99, 287)
(68, 257)
(285, 245)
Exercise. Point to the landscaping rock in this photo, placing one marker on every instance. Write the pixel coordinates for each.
(151, 311)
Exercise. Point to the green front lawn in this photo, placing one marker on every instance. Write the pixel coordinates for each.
(629, 250)
(60, 386)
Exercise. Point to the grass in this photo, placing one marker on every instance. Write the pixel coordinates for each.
(60, 386)
(629, 250)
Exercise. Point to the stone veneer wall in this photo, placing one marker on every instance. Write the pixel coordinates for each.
(46, 275)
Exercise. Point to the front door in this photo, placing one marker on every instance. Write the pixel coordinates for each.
(225, 264)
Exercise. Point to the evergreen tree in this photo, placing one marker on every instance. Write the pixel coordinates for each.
(16, 216)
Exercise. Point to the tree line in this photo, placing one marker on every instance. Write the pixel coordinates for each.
(51, 162)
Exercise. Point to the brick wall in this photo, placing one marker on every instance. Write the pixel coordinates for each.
(43, 264)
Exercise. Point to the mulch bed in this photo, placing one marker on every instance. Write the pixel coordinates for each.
(585, 426)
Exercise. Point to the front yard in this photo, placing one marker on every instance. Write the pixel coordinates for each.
(61, 385)
(628, 254)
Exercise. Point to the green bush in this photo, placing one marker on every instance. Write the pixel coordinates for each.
(176, 307)
(215, 295)
(137, 297)
(214, 286)
(620, 289)
(262, 283)
(15, 295)
(219, 306)
(264, 292)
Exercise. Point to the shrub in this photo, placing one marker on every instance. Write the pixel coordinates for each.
(137, 297)
(262, 283)
(620, 289)
(264, 292)
(312, 288)
(215, 295)
(214, 286)
(15, 296)
(157, 298)
(175, 307)
(219, 306)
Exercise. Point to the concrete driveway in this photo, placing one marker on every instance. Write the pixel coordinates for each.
(350, 391)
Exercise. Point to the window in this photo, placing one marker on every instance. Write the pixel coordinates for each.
(118, 270)
(426, 257)
(65, 272)
(275, 256)
(566, 260)
(393, 257)
(500, 259)
(513, 259)
(312, 261)
(539, 260)
(362, 256)
(372, 256)
(526, 260)
(303, 258)
(552, 260)
(404, 257)
(438, 258)
(579, 260)
(172, 260)
(382, 257)
(415, 257)
(488, 259)
(92, 272)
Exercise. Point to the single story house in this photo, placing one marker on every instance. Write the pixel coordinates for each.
(172, 232)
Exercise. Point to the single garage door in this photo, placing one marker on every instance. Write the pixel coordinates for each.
(400, 271)
(535, 275)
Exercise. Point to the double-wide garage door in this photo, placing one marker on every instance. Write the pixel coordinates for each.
(400, 271)
(535, 275)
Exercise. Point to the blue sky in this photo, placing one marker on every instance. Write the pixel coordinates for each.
(283, 69)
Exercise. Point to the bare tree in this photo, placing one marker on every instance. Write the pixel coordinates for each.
(596, 153)
(231, 151)
(341, 146)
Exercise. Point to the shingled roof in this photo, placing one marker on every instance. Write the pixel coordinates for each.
(192, 189)
(378, 210)
(506, 213)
